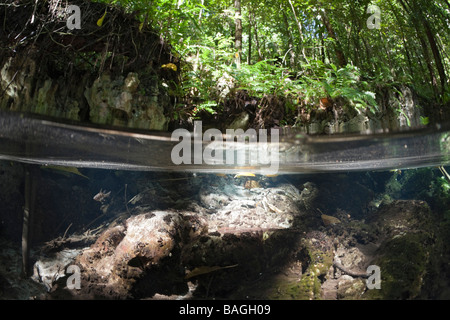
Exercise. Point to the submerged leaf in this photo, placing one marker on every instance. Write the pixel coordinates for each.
(250, 184)
(65, 170)
(244, 174)
(206, 269)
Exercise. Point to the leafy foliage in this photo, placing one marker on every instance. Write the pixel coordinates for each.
(304, 49)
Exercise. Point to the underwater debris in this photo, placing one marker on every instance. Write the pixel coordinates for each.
(101, 196)
(206, 269)
(272, 207)
(250, 184)
(221, 174)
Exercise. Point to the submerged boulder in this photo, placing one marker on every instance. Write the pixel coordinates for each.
(405, 254)
(228, 231)
(124, 253)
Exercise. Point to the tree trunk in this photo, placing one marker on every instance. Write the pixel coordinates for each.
(322, 47)
(428, 61)
(288, 35)
(197, 56)
(436, 53)
(416, 22)
(300, 31)
(249, 56)
(337, 46)
(258, 47)
(238, 31)
(405, 44)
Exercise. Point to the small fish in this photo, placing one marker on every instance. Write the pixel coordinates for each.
(329, 220)
(101, 196)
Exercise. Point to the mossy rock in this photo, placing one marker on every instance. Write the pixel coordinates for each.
(317, 254)
(308, 288)
(351, 290)
(403, 265)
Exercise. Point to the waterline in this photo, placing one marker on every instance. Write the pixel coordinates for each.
(236, 147)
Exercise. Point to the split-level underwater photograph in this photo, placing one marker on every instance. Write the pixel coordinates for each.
(200, 150)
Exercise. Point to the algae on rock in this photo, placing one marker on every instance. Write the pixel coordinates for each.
(118, 102)
(107, 75)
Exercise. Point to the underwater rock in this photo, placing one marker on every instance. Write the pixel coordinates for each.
(13, 286)
(315, 254)
(120, 255)
(398, 238)
(400, 244)
(49, 270)
(403, 216)
(222, 239)
(350, 288)
(250, 184)
(229, 226)
(309, 195)
(404, 256)
(237, 208)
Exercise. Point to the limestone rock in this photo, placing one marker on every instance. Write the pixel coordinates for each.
(350, 288)
(238, 208)
(49, 270)
(118, 101)
(404, 255)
